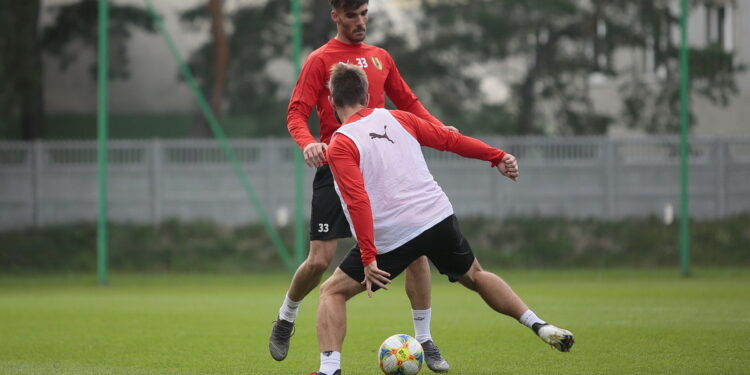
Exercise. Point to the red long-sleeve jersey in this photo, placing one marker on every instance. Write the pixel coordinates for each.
(343, 157)
(311, 88)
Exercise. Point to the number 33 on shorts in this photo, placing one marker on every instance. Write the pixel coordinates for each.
(322, 228)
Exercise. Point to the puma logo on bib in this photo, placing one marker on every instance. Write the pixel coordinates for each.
(383, 136)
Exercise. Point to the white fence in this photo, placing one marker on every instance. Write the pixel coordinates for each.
(149, 181)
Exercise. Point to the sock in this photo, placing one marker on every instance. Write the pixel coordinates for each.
(330, 361)
(422, 324)
(529, 319)
(288, 310)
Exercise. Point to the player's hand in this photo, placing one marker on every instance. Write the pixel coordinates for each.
(452, 128)
(315, 154)
(508, 167)
(374, 275)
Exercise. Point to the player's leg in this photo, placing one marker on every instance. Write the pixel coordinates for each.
(305, 279)
(501, 297)
(494, 290)
(346, 282)
(419, 284)
(331, 317)
(452, 255)
(418, 289)
(308, 274)
(327, 224)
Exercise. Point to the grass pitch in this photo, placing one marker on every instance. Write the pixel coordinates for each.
(625, 322)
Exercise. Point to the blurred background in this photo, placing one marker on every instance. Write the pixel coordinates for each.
(584, 92)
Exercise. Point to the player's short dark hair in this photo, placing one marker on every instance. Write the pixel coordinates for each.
(347, 4)
(348, 85)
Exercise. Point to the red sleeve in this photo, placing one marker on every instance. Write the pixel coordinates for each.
(401, 95)
(309, 84)
(343, 157)
(442, 139)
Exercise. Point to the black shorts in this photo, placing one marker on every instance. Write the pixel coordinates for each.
(443, 244)
(327, 219)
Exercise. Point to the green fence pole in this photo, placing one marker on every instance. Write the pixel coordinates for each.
(299, 177)
(684, 106)
(219, 135)
(101, 233)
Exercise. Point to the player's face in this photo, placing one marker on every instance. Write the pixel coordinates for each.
(351, 24)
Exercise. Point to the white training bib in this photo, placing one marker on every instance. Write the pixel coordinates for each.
(404, 197)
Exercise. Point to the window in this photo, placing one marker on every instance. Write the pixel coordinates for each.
(719, 25)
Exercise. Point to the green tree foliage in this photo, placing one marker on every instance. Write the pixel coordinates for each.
(654, 107)
(555, 48)
(548, 52)
(21, 88)
(259, 38)
(76, 25)
(72, 32)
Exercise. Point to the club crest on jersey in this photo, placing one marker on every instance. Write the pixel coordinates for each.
(377, 63)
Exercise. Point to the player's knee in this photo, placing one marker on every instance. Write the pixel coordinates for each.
(469, 278)
(317, 265)
(419, 269)
(326, 288)
(321, 254)
(468, 281)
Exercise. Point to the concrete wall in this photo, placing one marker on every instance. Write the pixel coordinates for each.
(150, 181)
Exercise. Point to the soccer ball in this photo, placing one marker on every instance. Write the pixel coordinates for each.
(400, 355)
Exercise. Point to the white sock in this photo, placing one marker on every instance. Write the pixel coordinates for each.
(422, 324)
(529, 319)
(330, 362)
(288, 310)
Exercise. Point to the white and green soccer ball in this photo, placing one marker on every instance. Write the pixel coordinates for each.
(400, 355)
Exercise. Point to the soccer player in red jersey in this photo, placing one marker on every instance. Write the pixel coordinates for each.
(399, 213)
(328, 222)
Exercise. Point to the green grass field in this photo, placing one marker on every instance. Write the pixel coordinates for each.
(625, 322)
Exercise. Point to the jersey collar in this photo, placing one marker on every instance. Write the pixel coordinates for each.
(362, 113)
(347, 45)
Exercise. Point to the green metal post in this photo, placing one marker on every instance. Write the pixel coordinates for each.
(213, 122)
(299, 177)
(101, 233)
(684, 106)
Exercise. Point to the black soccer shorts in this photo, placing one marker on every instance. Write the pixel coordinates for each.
(443, 244)
(327, 219)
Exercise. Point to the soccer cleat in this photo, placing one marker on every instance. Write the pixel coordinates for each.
(338, 372)
(558, 338)
(432, 356)
(278, 343)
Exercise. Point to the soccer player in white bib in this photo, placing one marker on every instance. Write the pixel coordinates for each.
(398, 212)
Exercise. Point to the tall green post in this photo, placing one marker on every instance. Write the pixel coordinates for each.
(684, 107)
(218, 132)
(101, 233)
(299, 177)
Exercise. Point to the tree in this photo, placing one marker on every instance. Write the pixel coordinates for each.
(260, 41)
(549, 52)
(214, 9)
(73, 31)
(556, 46)
(654, 108)
(221, 54)
(21, 92)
